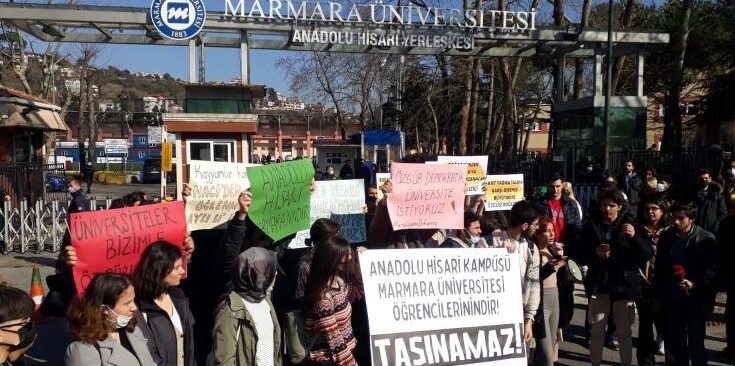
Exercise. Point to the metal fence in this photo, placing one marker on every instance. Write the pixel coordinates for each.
(37, 227)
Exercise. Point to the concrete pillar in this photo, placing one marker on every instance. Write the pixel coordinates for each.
(245, 146)
(244, 59)
(192, 61)
(598, 74)
(639, 73)
(202, 64)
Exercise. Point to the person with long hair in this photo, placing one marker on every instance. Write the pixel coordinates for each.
(246, 329)
(332, 285)
(163, 310)
(320, 230)
(102, 323)
(548, 317)
(651, 222)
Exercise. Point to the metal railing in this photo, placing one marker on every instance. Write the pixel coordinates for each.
(37, 227)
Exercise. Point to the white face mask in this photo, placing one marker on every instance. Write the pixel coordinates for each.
(732, 171)
(474, 239)
(660, 187)
(72, 189)
(121, 321)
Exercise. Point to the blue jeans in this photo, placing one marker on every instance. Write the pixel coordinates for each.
(685, 332)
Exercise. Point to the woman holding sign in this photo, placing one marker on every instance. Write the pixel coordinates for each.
(164, 315)
(103, 325)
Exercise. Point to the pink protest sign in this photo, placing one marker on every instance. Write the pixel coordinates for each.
(427, 196)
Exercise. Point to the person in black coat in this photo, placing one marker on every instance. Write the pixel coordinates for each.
(711, 205)
(563, 212)
(630, 183)
(685, 276)
(614, 252)
(726, 274)
(163, 310)
(79, 202)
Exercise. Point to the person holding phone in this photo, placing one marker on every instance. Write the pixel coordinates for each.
(614, 252)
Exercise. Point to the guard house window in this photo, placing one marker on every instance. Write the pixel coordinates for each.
(217, 150)
(141, 154)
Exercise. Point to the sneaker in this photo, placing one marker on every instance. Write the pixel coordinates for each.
(611, 342)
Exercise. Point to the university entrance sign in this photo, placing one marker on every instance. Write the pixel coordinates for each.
(178, 19)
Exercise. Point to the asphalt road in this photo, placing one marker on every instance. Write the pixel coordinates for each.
(16, 269)
(102, 191)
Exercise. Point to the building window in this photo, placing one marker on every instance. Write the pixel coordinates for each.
(536, 126)
(142, 140)
(217, 150)
(141, 154)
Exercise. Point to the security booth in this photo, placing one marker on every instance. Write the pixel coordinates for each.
(26, 123)
(216, 125)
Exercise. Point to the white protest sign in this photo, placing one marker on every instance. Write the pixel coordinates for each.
(215, 187)
(476, 171)
(341, 201)
(444, 307)
(503, 191)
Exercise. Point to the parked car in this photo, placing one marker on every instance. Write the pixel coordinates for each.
(55, 183)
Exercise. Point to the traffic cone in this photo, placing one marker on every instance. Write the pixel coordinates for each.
(36, 286)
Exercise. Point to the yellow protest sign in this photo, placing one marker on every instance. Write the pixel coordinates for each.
(503, 191)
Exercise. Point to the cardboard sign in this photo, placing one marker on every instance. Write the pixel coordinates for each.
(444, 307)
(476, 171)
(114, 240)
(215, 187)
(341, 201)
(381, 178)
(281, 197)
(427, 196)
(503, 191)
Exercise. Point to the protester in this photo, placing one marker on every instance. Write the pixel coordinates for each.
(726, 274)
(17, 330)
(332, 285)
(163, 310)
(346, 171)
(710, 203)
(246, 329)
(685, 284)
(547, 318)
(321, 230)
(562, 210)
(468, 237)
(329, 174)
(652, 221)
(371, 201)
(523, 224)
(88, 171)
(569, 190)
(103, 326)
(630, 184)
(613, 252)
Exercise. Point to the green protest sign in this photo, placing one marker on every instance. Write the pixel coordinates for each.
(281, 197)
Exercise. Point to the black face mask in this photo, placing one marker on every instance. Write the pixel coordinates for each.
(26, 335)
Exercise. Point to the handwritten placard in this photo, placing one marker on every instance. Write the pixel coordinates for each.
(476, 166)
(341, 201)
(114, 240)
(444, 307)
(281, 197)
(503, 191)
(427, 196)
(381, 178)
(215, 187)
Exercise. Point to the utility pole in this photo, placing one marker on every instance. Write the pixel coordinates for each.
(608, 91)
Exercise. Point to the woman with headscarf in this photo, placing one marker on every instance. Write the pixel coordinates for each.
(246, 330)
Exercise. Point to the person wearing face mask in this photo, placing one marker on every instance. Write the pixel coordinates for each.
(103, 325)
(470, 236)
(371, 201)
(164, 315)
(329, 174)
(79, 202)
(246, 329)
(710, 202)
(17, 330)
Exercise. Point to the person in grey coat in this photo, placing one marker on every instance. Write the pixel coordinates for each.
(103, 326)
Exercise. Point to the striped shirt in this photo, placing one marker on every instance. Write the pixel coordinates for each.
(330, 321)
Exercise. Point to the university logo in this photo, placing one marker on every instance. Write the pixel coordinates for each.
(178, 19)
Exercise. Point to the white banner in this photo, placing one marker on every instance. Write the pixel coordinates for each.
(341, 201)
(444, 307)
(476, 171)
(215, 188)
